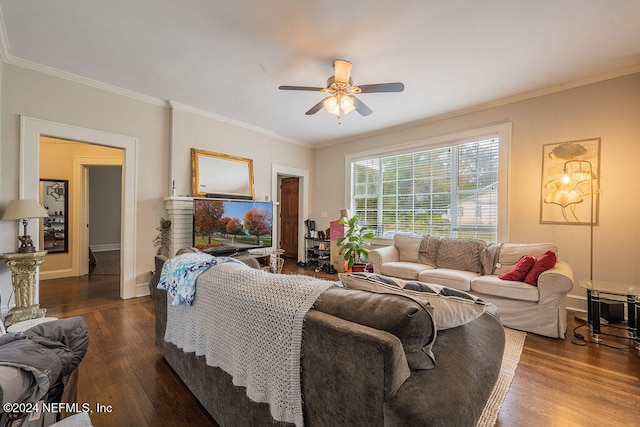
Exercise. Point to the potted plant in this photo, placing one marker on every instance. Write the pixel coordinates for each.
(354, 244)
(163, 240)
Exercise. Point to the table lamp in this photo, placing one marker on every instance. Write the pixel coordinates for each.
(25, 209)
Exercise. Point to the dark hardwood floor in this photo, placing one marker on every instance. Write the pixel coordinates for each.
(557, 383)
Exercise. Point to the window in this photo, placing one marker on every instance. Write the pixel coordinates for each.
(451, 189)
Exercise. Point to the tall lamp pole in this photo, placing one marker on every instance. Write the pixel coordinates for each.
(580, 175)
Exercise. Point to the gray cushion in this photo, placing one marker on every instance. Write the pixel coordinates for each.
(407, 319)
(452, 307)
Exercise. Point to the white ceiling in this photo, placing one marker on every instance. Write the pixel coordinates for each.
(229, 57)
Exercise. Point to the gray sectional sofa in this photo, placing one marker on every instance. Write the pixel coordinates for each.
(474, 266)
(358, 350)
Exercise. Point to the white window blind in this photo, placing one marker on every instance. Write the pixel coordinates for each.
(449, 191)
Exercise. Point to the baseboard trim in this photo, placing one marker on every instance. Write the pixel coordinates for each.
(106, 247)
(56, 274)
(142, 290)
(577, 303)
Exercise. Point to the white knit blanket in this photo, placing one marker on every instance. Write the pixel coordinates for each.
(249, 322)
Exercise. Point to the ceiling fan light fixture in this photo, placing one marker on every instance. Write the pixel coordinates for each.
(347, 104)
(332, 105)
(339, 104)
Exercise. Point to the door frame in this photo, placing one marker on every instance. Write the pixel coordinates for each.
(30, 131)
(277, 172)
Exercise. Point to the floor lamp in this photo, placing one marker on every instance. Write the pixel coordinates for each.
(575, 178)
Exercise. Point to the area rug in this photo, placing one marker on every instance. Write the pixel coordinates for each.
(514, 341)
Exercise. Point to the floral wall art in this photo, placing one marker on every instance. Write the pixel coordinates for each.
(570, 182)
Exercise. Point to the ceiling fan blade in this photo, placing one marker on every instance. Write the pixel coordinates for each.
(342, 70)
(361, 107)
(382, 87)
(315, 89)
(316, 108)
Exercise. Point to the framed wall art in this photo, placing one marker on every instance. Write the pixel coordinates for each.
(570, 182)
(53, 194)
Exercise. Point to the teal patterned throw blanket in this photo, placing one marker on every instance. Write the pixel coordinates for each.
(178, 276)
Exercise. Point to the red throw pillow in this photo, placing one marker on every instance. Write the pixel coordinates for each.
(544, 262)
(519, 271)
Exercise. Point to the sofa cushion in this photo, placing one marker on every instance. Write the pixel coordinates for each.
(543, 263)
(408, 246)
(428, 250)
(406, 270)
(506, 289)
(519, 271)
(452, 307)
(510, 254)
(457, 279)
(407, 319)
(460, 254)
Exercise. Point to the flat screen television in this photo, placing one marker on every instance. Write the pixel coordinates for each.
(224, 227)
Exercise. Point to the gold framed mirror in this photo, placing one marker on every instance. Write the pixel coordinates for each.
(221, 175)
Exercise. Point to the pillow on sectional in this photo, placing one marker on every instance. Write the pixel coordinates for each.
(519, 271)
(452, 308)
(543, 263)
(399, 315)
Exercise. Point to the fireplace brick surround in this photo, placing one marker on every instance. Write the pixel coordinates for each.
(180, 211)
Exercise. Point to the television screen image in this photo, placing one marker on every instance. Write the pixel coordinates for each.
(224, 227)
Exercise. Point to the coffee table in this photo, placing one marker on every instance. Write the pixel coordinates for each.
(631, 292)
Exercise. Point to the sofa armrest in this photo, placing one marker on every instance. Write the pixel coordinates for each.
(380, 256)
(348, 371)
(556, 281)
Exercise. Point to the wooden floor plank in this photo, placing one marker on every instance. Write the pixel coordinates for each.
(556, 383)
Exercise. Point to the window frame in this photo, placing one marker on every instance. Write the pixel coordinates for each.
(500, 131)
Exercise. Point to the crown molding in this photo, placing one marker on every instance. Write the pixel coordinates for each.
(237, 123)
(491, 104)
(76, 78)
(5, 51)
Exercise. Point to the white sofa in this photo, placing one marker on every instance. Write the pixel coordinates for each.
(473, 266)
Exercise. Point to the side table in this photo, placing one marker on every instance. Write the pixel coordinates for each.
(631, 292)
(23, 269)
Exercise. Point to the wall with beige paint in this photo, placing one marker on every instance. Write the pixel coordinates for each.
(608, 109)
(164, 141)
(191, 130)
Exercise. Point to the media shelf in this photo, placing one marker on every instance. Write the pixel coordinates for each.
(317, 251)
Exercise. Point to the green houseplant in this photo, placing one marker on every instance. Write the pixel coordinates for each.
(354, 243)
(163, 240)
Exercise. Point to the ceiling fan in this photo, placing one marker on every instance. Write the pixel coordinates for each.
(341, 99)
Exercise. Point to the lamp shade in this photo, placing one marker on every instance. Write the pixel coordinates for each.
(24, 208)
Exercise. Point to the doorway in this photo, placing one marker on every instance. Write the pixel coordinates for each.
(72, 161)
(104, 209)
(289, 214)
(279, 173)
(31, 131)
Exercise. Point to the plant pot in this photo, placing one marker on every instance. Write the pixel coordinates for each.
(358, 267)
